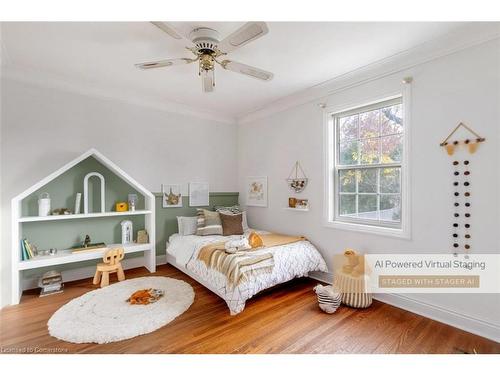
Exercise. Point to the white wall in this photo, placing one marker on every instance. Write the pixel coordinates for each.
(42, 129)
(464, 86)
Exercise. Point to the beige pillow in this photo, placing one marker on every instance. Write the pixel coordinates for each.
(208, 223)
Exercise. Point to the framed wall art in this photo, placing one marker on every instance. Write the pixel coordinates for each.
(256, 187)
(171, 195)
(198, 194)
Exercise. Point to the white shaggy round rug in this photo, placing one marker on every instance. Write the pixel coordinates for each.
(103, 315)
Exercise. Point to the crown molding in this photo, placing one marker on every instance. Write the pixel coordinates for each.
(470, 35)
(138, 98)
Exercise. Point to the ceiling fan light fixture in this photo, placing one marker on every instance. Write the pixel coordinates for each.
(205, 39)
(206, 45)
(207, 80)
(207, 62)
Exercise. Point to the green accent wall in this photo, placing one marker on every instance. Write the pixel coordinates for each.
(64, 234)
(166, 218)
(63, 189)
(108, 229)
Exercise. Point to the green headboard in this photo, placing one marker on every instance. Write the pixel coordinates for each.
(166, 218)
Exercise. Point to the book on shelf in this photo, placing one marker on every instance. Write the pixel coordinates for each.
(50, 283)
(50, 280)
(49, 291)
(29, 248)
(52, 287)
(26, 250)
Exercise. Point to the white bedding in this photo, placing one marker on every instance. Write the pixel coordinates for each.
(290, 261)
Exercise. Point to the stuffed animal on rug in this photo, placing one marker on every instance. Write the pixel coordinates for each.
(145, 296)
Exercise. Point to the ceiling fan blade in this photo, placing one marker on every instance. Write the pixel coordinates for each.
(170, 30)
(247, 70)
(207, 80)
(245, 34)
(164, 63)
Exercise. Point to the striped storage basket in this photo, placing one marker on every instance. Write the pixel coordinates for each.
(354, 290)
(329, 298)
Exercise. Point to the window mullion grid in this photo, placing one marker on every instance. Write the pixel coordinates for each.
(359, 166)
(378, 193)
(356, 173)
(379, 161)
(368, 166)
(336, 174)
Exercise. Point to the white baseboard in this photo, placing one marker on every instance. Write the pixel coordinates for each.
(324, 277)
(464, 322)
(86, 272)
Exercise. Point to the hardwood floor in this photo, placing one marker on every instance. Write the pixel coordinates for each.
(285, 319)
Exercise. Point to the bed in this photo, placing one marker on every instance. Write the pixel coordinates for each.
(290, 261)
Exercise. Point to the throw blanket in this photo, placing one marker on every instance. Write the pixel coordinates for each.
(239, 266)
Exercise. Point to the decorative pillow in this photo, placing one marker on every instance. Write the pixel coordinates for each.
(187, 225)
(232, 210)
(231, 224)
(208, 223)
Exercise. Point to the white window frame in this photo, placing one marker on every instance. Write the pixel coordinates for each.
(331, 196)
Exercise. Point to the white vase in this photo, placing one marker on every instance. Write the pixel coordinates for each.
(44, 204)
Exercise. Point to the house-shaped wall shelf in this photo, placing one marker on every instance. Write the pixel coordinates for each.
(64, 231)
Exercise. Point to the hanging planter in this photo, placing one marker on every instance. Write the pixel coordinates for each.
(297, 180)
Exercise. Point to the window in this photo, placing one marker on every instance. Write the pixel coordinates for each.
(366, 165)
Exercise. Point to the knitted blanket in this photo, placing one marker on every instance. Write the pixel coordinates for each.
(239, 266)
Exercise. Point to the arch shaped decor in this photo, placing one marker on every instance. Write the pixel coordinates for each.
(86, 191)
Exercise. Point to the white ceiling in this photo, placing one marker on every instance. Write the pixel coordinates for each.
(299, 54)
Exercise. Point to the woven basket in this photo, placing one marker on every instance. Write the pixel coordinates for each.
(354, 290)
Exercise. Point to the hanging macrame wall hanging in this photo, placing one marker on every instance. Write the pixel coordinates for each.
(471, 143)
(297, 180)
(461, 227)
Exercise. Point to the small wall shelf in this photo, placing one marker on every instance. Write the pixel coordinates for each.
(66, 256)
(296, 209)
(27, 219)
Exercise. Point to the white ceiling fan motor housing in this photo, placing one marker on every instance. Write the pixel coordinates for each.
(205, 38)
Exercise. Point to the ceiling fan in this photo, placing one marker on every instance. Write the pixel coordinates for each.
(209, 50)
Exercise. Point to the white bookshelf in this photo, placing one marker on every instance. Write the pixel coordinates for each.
(66, 256)
(26, 219)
